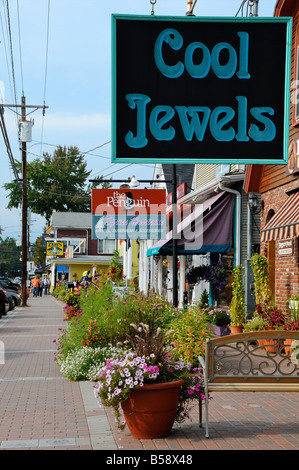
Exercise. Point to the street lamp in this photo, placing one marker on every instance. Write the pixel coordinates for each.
(254, 203)
(134, 182)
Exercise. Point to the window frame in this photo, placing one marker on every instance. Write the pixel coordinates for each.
(104, 252)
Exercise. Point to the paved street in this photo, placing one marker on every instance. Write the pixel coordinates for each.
(39, 409)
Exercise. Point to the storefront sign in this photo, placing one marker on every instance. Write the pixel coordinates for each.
(180, 192)
(54, 248)
(285, 247)
(128, 213)
(200, 90)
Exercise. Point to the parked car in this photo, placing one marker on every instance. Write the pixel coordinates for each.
(4, 303)
(14, 298)
(8, 284)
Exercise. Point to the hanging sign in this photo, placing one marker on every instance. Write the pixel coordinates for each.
(200, 90)
(128, 214)
(54, 248)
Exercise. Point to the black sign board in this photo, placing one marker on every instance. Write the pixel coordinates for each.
(200, 90)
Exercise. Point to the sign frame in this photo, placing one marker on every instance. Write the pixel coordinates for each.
(128, 214)
(284, 129)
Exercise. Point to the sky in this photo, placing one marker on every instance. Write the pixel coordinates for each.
(61, 56)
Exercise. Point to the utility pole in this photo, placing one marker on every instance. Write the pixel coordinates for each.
(24, 211)
(174, 239)
(25, 240)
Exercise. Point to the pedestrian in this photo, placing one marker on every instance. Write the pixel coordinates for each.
(35, 285)
(46, 285)
(41, 286)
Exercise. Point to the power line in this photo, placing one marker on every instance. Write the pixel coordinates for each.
(8, 148)
(11, 52)
(20, 48)
(46, 73)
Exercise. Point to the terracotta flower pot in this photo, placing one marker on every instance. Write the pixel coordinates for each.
(150, 410)
(267, 342)
(287, 346)
(236, 329)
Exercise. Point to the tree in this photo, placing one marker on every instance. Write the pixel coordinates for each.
(57, 181)
(38, 252)
(10, 253)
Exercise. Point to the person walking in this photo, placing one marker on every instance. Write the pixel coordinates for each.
(35, 285)
(41, 286)
(46, 285)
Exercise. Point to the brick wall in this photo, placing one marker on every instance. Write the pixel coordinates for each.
(286, 267)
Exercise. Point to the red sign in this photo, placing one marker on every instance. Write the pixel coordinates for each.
(120, 201)
(128, 213)
(180, 192)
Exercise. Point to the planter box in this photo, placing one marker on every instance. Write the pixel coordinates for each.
(221, 330)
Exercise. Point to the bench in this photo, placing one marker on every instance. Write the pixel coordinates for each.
(259, 361)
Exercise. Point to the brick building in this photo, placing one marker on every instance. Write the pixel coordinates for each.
(278, 186)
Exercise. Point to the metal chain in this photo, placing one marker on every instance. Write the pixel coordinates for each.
(153, 2)
(250, 4)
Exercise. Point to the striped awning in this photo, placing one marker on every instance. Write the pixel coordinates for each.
(285, 223)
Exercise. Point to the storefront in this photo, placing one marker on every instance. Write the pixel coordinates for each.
(203, 236)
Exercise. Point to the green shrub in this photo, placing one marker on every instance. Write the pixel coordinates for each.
(190, 328)
(60, 291)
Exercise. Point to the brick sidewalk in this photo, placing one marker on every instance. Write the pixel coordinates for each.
(39, 409)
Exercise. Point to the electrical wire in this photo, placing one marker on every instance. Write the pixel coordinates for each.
(46, 75)
(11, 52)
(8, 148)
(20, 47)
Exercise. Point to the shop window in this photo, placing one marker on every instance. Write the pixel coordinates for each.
(106, 246)
(269, 215)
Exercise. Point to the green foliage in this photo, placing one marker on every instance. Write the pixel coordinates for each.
(39, 252)
(204, 299)
(60, 291)
(263, 294)
(10, 264)
(190, 328)
(256, 323)
(217, 316)
(72, 299)
(237, 309)
(57, 181)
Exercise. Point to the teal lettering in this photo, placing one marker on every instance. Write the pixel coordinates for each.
(241, 135)
(268, 133)
(194, 126)
(175, 41)
(217, 124)
(201, 70)
(156, 124)
(138, 101)
(243, 56)
(224, 71)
